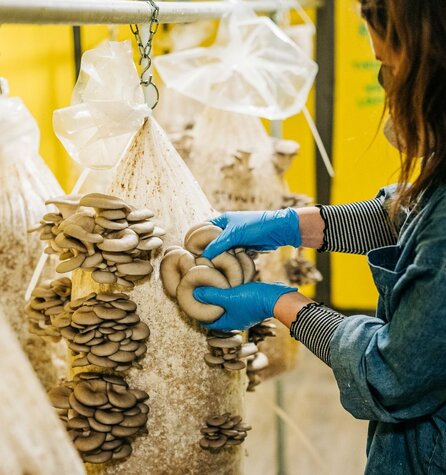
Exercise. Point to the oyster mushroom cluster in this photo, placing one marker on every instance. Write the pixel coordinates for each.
(102, 234)
(103, 330)
(300, 271)
(257, 363)
(262, 330)
(284, 152)
(183, 269)
(223, 431)
(227, 350)
(101, 413)
(256, 335)
(47, 302)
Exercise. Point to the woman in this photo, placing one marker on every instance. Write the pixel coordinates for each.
(391, 368)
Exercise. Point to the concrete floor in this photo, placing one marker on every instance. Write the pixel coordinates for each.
(320, 437)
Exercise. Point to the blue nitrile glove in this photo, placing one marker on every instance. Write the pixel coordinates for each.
(245, 305)
(257, 230)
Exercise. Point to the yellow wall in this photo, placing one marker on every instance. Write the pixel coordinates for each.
(362, 164)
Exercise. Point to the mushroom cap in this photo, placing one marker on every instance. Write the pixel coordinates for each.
(172, 248)
(93, 261)
(117, 257)
(90, 442)
(101, 457)
(218, 443)
(85, 318)
(104, 277)
(65, 242)
(104, 202)
(101, 361)
(123, 356)
(142, 349)
(230, 267)
(213, 360)
(233, 341)
(248, 266)
(140, 214)
(108, 417)
(140, 396)
(197, 277)
(200, 238)
(170, 272)
(79, 407)
(119, 431)
(124, 451)
(91, 393)
(112, 214)
(76, 231)
(83, 218)
(234, 365)
(138, 420)
(70, 264)
(59, 397)
(122, 399)
(149, 244)
(194, 228)
(109, 224)
(107, 313)
(137, 267)
(216, 421)
(106, 349)
(67, 204)
(124, 240)
(127, 305)
(145, 227)
(97, 426)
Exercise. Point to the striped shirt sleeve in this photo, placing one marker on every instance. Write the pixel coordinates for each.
(315, 326)
(357, 228)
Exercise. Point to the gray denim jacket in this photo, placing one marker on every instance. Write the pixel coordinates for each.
(391, 368)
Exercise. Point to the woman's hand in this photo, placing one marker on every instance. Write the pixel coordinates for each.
(244, 305)
(257, 230)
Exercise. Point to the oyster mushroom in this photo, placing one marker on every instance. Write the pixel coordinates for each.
(198, 240)
(103, 202)
(98, 237)
(124, 240)
(227, 350)
(197, 277)
(103, 330)
(101, 433)
(222, 431)
(67, 204)
(173, 268)
(180, 273)
(230, 267)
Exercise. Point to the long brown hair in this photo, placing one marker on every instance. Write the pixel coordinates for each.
(417, 93)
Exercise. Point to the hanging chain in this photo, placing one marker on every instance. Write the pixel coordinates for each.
(145, 51)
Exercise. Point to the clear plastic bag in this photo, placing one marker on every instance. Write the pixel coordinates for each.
(107, 109)
(252, 68)
(25, 183)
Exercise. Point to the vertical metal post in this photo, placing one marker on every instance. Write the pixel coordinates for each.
(77, 49)
(276, 131)
(325, 57)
